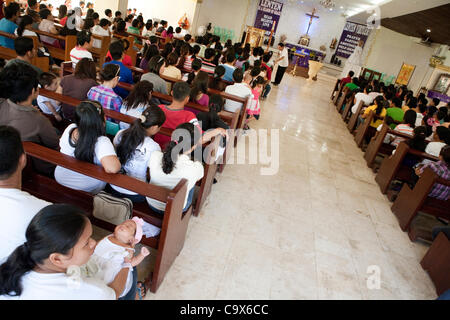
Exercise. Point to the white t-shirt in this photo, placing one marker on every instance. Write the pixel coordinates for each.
(26, 33)
(77, 181)
(373, 95)
(99, 31)
(184, 168)
(41, 103)
(434, 148)
(134, 112)
(46, 26)
(240, 90)
(361, 96)
(285, 61)
(109, 257)
(136, 167)
(18, 208)
(78, 53)
(419, 119)
(58, 286)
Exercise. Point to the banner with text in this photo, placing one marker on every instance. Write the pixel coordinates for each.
(352, 34)
(268, 12)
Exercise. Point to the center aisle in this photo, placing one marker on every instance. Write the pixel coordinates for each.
(309, 232)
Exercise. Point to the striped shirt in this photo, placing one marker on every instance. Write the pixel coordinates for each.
(78, 53)
(106, 96)
(439, 191)
(403, 128)
(208, 67)
(188, 64)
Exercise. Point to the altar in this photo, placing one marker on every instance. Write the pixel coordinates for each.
(299, 57)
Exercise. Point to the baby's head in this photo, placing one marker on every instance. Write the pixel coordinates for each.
(129, 231)
(48, 81)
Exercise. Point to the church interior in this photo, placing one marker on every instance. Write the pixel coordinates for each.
(327, 123)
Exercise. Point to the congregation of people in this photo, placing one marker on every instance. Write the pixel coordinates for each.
(44, 239)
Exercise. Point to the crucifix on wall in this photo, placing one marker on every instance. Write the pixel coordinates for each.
(311, 19)
(304, 40)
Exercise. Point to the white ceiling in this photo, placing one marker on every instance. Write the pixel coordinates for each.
(356, 9)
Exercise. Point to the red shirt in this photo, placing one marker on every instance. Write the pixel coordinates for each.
(173, 119)
(63, 21)
(344, 81)
(126, 60)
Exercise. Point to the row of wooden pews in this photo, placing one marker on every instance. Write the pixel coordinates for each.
(410, 201)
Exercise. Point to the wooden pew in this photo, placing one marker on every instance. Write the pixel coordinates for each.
(58, 53)
(437, 263)
(348, 106)
(210, 167)
(342, 99)
(342, 90)
(365, 129)
(392, 167)
(8, 54)
(410, 201)
(334, 91)
(173, 224)
(100, 53)
(377, 145)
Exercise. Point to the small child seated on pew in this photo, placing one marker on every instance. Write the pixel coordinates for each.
(49, 106)
(116, 251)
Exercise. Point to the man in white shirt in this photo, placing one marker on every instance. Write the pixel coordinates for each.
(283, 63)
(237, 89)
(18, 207)
(84, 43)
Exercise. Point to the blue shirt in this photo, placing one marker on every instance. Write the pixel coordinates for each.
(9, 27)
(125, 76)
(228, 72)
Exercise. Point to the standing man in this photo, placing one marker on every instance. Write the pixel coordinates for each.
(283, 63)
(354, 62)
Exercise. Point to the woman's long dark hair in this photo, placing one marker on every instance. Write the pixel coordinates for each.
(410, 118)
(216, 103)
(85, 69)
(24, 22)
(141, 94)
(136, 133)
(90, 121)
(167, 50)
(418, 140)
(62, 11)
(184, 52)
(219, 72)
(199, 85)
(169, 158)
(151, 51)
(379, 101)
(55, 229)
(196, 66)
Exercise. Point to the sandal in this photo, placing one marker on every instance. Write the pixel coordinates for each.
(139, 290)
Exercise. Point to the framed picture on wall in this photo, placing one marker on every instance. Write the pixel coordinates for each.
(405, 74)
(254, 36)
(443, 84)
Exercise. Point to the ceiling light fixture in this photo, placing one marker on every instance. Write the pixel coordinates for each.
(328, 4)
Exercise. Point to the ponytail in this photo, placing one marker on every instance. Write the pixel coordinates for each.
(185, 130)
(137, 132)
(26, 20)
(191, 77)
(216, 103)
(380, 102)
(12, 271)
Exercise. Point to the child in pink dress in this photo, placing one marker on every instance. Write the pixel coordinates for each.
(254, 110)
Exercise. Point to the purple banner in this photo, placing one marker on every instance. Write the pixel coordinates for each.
(268, 12)
(352, 34)
(433, 94)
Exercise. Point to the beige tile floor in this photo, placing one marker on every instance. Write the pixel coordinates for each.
(308, 232)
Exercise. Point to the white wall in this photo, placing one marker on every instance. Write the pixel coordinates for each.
(390, 49)
(169, 10)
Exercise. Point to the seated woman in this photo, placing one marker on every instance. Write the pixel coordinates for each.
(155, 68)
(168, 168)
(104, 93)
(78, 84)
(216, 82)
(149, 52)
(211, 119)
(85, 140)
(379, 109)
(48, 25)
(199, 90)
(406, 127)
(58, 239)
(121, 29)
(196, 67)
(137, 101)
(134, 148)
